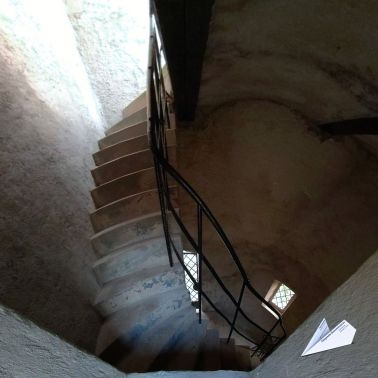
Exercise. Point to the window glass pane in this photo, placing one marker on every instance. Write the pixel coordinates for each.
(191, 262)
(282, 297)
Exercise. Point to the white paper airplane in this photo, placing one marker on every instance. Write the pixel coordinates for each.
(324, 339)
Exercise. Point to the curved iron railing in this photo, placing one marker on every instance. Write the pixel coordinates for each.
(159, 110)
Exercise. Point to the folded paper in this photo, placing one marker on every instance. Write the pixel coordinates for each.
(324, 339)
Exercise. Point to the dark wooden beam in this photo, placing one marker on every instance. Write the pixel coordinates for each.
(184, 26)
(358, 126)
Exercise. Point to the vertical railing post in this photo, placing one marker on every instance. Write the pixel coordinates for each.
(199, 254)
(236, 312)
(259, 348)
(158, 117)
(158, 129)
(163, 212)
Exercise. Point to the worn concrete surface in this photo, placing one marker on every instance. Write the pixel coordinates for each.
(356, 302)
(49, 127)
(112, 39)
(294, 208)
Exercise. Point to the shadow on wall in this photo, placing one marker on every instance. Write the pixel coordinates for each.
(296, 210)
(44, 204)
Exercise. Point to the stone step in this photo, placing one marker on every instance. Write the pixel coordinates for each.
(186, 352)
(128, 208)
(217, 322)
(210, 352)
(125, 133)
(124, 327)
(122, 166)
(130, 232)
(243, 358)
(228, 356)
(136, 117)
(137, 287)
(129, 146)
(149, 345)
(127, 164)
(120, 149)
(148, 254)
(124, 186)
(135, 105)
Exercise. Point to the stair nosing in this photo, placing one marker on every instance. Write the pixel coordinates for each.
(121, 177)
(144, 136)
(123, 128)
(123, 199)
(185, 317)
(110, 288)
(120, 157)
(120, 250)
(105, 250)
(142, 94)
(102, 232)
(107, 164)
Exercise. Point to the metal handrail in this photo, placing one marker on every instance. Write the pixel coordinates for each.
(158, 122)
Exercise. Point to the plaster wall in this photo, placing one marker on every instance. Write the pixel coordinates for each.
(49, 127)
(356, 302)
(112, 38)
(313, 56)
(296, 209)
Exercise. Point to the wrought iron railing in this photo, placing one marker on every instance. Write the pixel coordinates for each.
(159, 110)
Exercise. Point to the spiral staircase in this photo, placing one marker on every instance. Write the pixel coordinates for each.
(150, 322)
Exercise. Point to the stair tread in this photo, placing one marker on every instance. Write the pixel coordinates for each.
(145, 254)
(127, 164)
(128, 323)
(145, 278)
(184, 351)
(130, 120)
(136, 287)
(129, 146)
(129, 232)
(135, 105)
(243, 358)
(129, 208)
(122, 166)
(119, 149)
(150, 345)
(124, 186)
(210, 352)
(228, 357)
(125, 156)
(123, 134)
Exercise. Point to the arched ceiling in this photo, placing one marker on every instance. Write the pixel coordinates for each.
(317, 57)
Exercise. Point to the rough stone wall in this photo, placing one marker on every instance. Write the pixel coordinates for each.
(28, 351)
(49, 127)
(112, 38)
(356, 302)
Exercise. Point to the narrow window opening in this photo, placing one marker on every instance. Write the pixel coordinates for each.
(280, 297)
(191, 262)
